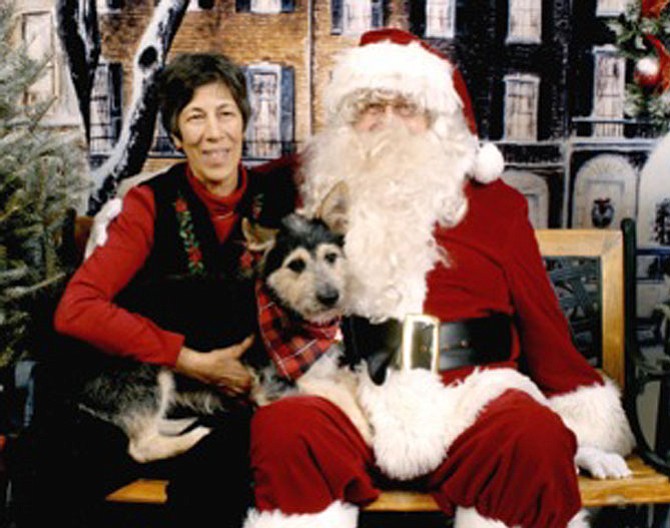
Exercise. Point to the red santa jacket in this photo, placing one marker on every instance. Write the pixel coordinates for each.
(495, 266)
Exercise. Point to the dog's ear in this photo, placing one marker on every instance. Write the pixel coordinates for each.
(257, 237)
(334, 208)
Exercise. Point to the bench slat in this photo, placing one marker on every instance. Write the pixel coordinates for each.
(646, 486)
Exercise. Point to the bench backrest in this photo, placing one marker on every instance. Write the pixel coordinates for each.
(603, 252)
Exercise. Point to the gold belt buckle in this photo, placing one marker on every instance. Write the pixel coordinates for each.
(420, 342)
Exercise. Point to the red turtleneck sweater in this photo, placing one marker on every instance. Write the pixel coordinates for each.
(87, 311)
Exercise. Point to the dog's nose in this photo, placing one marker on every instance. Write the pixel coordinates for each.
(328, 297)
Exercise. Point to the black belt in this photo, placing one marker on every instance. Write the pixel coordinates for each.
(477, 341)
(464, 343)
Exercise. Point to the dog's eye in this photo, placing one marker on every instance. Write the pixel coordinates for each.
(331, 258)
(296, 265)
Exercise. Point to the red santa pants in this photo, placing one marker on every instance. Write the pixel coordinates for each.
(515, 464)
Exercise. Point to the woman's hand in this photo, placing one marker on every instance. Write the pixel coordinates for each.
(220, 367)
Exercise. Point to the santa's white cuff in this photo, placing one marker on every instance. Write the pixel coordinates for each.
(337, 515)
(595, 414)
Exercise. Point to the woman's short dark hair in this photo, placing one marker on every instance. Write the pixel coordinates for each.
(189, 71)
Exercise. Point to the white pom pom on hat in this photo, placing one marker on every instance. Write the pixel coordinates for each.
(394, 59)
(489, 163)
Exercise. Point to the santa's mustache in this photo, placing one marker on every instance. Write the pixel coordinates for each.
(393, 159)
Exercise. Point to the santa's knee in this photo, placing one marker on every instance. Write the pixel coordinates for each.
(284, 428)
(541, 439)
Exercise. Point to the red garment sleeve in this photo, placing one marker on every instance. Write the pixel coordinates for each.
(555, 365)
(87, 311)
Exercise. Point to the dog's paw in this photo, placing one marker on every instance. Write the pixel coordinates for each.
(600, 464)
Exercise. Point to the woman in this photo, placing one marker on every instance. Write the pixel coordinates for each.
(172, 281)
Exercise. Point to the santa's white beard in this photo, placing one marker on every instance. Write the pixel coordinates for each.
(400, 185)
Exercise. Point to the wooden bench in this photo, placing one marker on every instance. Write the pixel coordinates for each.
(608, 250)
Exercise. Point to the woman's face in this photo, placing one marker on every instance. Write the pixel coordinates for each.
(212, 132)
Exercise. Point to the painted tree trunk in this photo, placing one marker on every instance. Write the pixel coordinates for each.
(130, 151)
(80, 36)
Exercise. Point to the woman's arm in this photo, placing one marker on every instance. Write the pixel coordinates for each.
(87, 311)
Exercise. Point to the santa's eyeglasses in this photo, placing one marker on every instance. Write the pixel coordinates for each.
(377, 103)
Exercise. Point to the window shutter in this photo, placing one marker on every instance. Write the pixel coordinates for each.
(287, 6)
(115, 102)
(287, 108)
(250, 123)
(336, 8)
(243, 6)
(377, 13)
(417, 17)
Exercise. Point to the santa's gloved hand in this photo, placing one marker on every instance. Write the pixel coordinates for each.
(98, 235)
(601, 464)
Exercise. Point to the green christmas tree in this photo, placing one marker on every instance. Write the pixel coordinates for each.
(41, 178)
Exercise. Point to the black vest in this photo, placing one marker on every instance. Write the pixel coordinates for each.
(215, 308)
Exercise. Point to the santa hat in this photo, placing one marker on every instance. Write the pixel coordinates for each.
(394, 60)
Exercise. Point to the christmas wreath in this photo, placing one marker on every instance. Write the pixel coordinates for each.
(643, 35)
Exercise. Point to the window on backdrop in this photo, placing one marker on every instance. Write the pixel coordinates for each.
(269, 132)
(353, 17)
(262, 7)
(609, 91)
(106, 107)
(525, 21)
(162, 145)
(441, 18)
(38, 36)
(611, 7)
(265, 6)
(521, 107)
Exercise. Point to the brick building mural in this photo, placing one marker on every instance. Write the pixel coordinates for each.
(546, 79)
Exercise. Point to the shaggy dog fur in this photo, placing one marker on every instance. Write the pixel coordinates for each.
(140, 397)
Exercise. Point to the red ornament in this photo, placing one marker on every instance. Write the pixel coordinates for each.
(663, 62)
(653, 8)
(647, 72)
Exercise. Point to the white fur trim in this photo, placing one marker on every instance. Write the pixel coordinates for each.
(469, 518)
(101, 221)
(596, 416)
(581, 520)
(415, 418)
(337, 515)
(409, 69)
(489, 164)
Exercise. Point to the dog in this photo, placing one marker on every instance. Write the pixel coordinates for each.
(303, 273)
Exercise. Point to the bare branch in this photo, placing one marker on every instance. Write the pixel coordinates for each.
(80, 36)
(131, 149)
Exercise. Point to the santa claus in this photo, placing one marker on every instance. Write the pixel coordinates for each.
(430, 229)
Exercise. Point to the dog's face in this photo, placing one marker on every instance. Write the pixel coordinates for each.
(306, 269)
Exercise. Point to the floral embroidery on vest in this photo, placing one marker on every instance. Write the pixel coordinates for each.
(194, 255)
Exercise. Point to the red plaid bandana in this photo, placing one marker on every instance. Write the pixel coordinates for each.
(293, 344)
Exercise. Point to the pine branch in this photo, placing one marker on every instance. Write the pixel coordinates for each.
(41, 178)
